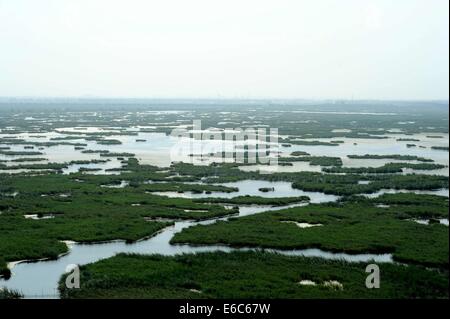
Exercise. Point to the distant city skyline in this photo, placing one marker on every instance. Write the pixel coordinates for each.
(266, 49)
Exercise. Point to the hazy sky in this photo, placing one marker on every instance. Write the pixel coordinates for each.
(381, 49)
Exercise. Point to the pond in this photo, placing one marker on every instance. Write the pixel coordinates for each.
(251, 188)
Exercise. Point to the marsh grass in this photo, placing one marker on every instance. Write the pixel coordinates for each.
(247, 275)
(358, 227)
(6, 293)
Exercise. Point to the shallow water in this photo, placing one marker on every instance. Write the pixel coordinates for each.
(296, 167)
(439, 192)
(160, 149)
(387, 146)
(251, 188)
(39, 279)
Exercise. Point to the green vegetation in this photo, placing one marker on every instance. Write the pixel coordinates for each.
(314, 160)
(101, 134)
(407, 140)
(124, 154)
(85, 162)
(95, 152)
(90, 208)
(109, 142)
(385, 169)
(336, 184)
(32, 159)
(47, 166)
(440, 148)
(394, 157)
(255, 200)
(20, 153)
(266, 189)
(6, 293)
(417, 206)
(309, 143)
(5, 272)
(50, 166)
(181, 188)
(352, 228)
(84, 212)
(285, 164)
(30, 144)
(299, 153)
(67, 138)
(248, 275)
(87, 169)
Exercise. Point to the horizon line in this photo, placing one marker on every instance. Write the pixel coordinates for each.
(224, 98)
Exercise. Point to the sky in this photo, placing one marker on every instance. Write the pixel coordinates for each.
(314, 49)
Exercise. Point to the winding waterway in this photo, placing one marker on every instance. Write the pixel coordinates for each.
(40, 279)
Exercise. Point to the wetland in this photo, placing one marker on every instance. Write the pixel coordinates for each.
(92, 183)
